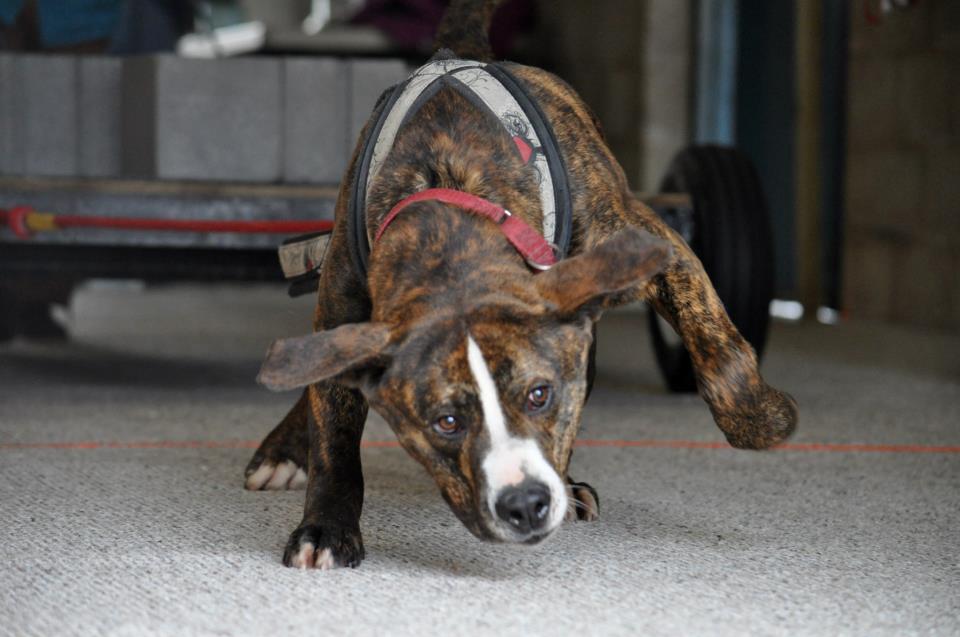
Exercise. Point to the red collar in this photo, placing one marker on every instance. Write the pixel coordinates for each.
(529, 243)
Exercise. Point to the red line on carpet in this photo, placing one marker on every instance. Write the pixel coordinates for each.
(392, 444)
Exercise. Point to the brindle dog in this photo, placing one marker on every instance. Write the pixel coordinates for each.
(480, 365)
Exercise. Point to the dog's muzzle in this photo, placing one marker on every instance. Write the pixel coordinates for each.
(525, 508)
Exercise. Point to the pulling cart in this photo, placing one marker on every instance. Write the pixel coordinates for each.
(55, 233)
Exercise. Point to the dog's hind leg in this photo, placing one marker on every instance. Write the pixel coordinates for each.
(280, 461)
(751, 413)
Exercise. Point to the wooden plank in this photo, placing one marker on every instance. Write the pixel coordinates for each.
(170, 188)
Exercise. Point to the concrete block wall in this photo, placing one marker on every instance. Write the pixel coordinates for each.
(326, 104)
(368, 79)
(99, 104)
(902, 235)
(8, 117)
(38, 115)
(292, 120)
(203, 119)
(315, 118)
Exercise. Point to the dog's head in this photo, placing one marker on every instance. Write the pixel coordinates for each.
(486, 396)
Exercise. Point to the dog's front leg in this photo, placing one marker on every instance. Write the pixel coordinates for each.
(329, 535)
(751, 413)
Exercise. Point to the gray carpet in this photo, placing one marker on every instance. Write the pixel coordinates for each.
(115, 537)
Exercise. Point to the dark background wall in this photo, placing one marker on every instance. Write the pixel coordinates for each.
(902, 234)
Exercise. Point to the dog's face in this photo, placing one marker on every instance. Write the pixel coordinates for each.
(490, 406)
(487, 397)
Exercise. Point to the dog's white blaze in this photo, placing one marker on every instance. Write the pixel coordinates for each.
(510, 459)
(489, 398)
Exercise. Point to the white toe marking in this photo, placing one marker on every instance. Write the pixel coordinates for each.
(325, 560)
(299, 480)
(510, 459)
(259, 477)
(282, 476)
(304, 559)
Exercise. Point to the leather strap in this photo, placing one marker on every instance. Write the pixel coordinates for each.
(529, 243)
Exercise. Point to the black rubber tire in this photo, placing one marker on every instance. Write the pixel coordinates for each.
(733, 238)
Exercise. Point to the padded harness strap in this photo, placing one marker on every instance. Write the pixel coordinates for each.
(490, 86)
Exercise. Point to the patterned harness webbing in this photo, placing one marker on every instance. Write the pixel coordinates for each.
(489, 86)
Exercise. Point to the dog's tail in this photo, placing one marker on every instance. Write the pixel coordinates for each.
(465, 28)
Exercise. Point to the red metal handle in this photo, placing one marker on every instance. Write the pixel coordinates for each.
(24, 222)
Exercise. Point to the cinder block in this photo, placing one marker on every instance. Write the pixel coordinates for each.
(316, 131)
(368, 80)
(202, 119)
(11, 148)
(38, 109)
(50, 91)
(100, 116)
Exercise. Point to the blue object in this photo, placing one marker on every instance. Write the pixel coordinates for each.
(67, 22)
(9, 10)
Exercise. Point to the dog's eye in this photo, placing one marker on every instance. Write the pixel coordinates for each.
(538, 398)
(447, 426)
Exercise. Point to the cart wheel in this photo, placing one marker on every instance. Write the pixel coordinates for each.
(732, 237)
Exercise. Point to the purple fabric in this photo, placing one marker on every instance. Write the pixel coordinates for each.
(413, 23)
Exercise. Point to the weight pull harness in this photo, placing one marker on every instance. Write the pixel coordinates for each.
(489, 86)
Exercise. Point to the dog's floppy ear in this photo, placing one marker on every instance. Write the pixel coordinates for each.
(345, 351)
(593, 281)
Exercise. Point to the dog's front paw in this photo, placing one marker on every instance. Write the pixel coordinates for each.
(280, 461)
(272, 476)
(584, 502)
(324, 547)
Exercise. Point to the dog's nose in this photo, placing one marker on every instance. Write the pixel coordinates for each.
(525, 507)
